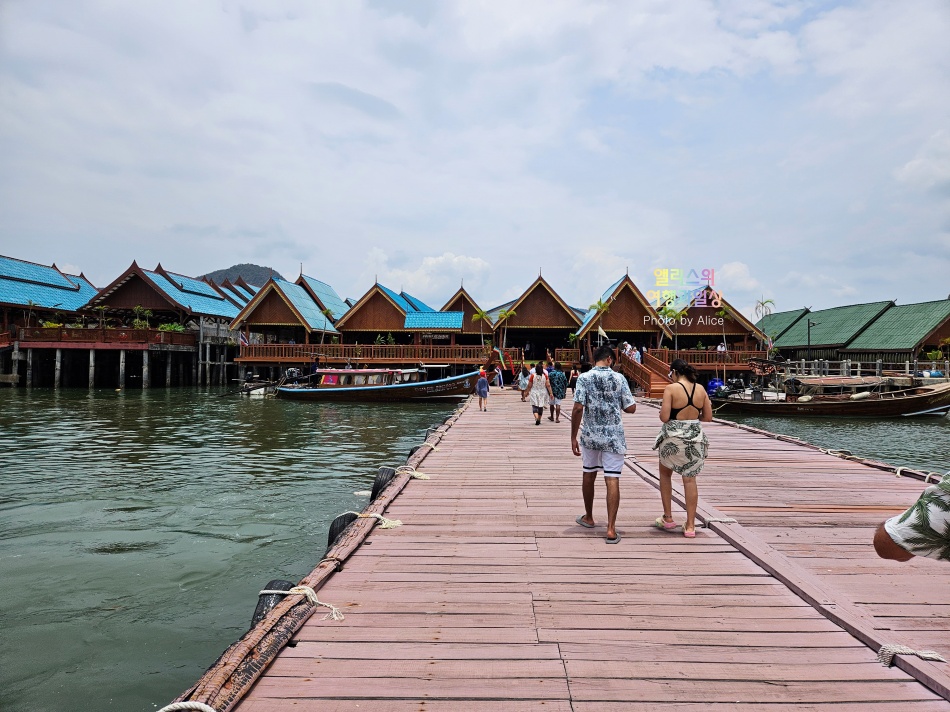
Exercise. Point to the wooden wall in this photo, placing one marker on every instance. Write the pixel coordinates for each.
(272, 310)
(138, 292)
(541, 310)
(376, 314)
(626, 314)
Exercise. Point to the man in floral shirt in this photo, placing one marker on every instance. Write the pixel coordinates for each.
(923, 530)
(600, 396)
(558, 391)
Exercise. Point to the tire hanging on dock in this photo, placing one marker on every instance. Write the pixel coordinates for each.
(383, 478)
(267, 601)
(337, 527)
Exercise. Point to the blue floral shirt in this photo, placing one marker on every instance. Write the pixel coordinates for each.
(558, 383)
(604, 393)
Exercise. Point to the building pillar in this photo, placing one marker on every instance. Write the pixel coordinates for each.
(16, 363)
(92, 368)
(168, 369)
(58, 369)
(207, 363)
(122, 368)
(29, 368)
(194, 366)
(146, 378)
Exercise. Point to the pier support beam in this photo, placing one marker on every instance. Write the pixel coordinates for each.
(58, 369)
(207, 378)
(122, 368)
(15, 367)
(29, 368)
(146, 378)
(168, 369)
(92, 368)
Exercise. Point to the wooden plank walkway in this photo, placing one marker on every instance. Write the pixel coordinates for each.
(490, 597)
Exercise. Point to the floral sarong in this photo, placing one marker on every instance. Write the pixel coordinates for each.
(683, 446)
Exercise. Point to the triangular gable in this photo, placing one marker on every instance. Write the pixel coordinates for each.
(540, 307)
(324, 295)
(380, 310)
(462, 301)
(415, 302)
(629, 311)
(702, 317)
(136, 288)
(282, 303)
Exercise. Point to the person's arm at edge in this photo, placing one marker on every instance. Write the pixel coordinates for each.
(887, 548)
(706, 414)
(667, 405)
(577, 414)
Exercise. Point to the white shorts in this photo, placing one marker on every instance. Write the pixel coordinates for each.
(556, 401)
(596, 460)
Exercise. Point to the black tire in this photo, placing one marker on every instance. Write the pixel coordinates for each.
(383, 478)
(413, 450)
(267, 601)
(337, 527)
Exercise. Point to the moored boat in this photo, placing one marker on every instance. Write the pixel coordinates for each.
(376, 384)
(868, 397)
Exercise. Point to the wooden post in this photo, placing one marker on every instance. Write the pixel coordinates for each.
(181, 372)
(29, 368)
(222, 368)
(16, 362)
(168, 369)
(146, 378)
(92, 368)
(207, 363)
(58, 369)
(122, 368)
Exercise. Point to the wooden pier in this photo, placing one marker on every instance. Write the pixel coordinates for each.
(490, 597)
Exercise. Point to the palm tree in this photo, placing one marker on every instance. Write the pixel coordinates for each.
(763, 307)
(481, 316)
(328, 315)
(601, 307)
(504, 315)
(668, 311)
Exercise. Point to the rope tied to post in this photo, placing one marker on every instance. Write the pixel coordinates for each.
(887, 652)
(429, 444)
(719, 520)
(177, 706)
(335, 613)
(384, 523)
(413, 472)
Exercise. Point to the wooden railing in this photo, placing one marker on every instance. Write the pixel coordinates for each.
(370, 353)
(41, 334)
(652, 382)
(4, 339)
(567, 356)
(710, 357)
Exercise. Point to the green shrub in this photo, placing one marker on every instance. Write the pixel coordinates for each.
(171, 327)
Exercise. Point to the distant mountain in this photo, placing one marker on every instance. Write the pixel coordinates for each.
(252, 274)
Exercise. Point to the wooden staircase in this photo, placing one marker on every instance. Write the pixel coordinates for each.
(649, 375)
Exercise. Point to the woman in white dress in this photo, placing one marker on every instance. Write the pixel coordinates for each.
(539, 390)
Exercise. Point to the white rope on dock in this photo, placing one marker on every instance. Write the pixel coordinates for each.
(335, 613)
(176, 706)
(412, 472)
(719, 520)
(900, 469)
(887, 652)
(430, 445)
(383, 522)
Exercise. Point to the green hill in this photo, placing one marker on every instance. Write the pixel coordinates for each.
(252, 274)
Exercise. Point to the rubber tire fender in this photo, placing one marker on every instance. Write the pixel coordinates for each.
(267, 601)
(383, 478)
(337, 527)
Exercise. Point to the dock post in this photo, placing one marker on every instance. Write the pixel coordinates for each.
(15, 368)
(146, 381)
(92, 368)
(168, 369)
(222, 372)
(29, 368)
(58, 368)
(122, 368)
(207, 363)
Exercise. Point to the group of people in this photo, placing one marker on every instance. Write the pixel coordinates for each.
(601, 397)
(545, 387)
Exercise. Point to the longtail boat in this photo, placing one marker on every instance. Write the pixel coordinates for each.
(858, 397)
(376, 384)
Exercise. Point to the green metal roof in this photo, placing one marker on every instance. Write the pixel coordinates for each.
(902, 328)
(832, 327)
(775, 325)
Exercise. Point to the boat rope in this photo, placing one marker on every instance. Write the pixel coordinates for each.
(429, 444)
(383, 522)
(412, 472)
(887, 652)
(335, 613)
(338, 561)
(719, 520)
(900, 469)
(176, 706)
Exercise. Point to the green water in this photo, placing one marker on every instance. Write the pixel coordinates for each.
(138, 527)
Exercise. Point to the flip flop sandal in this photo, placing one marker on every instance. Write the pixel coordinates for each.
(689, 533)
(661, 523)
(615, 540)
(580, 520)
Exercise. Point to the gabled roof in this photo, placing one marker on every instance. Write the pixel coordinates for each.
(25, 283)
(733, 313)
(466, 297)
(434, 321)
(901, 328)
(235, 294)
(774, 325)
(416, 304)
(325, 295)
(611, 293)
(540, 282)
(832, 327)
(296, 297)
(186, 294)
(397, 300)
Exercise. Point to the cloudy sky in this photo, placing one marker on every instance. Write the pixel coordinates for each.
(799, 149)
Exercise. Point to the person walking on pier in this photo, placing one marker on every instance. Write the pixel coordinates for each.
(923, 530)
(600, 398)
(523, 379)
(558, 391)
(481, 390)
(539, 390)
(682, 442)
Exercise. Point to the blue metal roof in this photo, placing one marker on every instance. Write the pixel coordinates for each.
(304, 304)
(434, 320)
(326, 294)
(591, 313)
(237, 294)
(610, 290)
(23, 283)
(216, 305)
(195, 286)
(416, 304)
(400, 301)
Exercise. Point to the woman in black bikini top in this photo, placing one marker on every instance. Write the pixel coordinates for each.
(689, 404)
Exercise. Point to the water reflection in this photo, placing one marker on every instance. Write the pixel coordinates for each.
(144, 523)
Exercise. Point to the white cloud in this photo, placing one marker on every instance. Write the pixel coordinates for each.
(931, 167)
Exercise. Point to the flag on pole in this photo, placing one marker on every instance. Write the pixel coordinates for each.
(601, 332)
(243, 339)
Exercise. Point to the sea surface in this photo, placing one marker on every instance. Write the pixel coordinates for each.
(136, 528)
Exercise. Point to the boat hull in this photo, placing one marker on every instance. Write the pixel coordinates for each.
(932, 400)
(453, 387)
